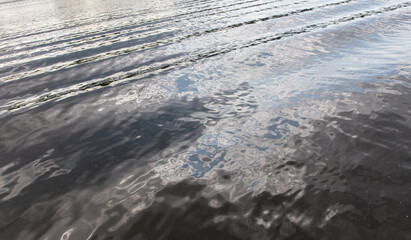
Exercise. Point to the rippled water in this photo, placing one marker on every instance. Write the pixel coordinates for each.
(183, 119)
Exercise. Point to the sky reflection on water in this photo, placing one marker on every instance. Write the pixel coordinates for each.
(205, 119)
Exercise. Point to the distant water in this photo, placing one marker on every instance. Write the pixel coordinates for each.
(206, 119)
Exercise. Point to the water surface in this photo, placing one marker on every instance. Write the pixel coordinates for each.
(182, 119)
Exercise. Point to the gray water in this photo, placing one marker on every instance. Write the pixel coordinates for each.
(183, 119)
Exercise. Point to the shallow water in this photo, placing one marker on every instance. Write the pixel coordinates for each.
(205, 119)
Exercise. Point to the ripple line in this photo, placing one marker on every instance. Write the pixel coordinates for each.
(172, 64)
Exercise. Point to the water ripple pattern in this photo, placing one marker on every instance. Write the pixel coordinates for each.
(183, 119)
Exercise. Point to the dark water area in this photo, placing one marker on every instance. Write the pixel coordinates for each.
(182, 119)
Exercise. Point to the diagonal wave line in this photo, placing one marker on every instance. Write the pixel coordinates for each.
(158, 43)
(145, 26)
(161, 68)
(142, 22)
